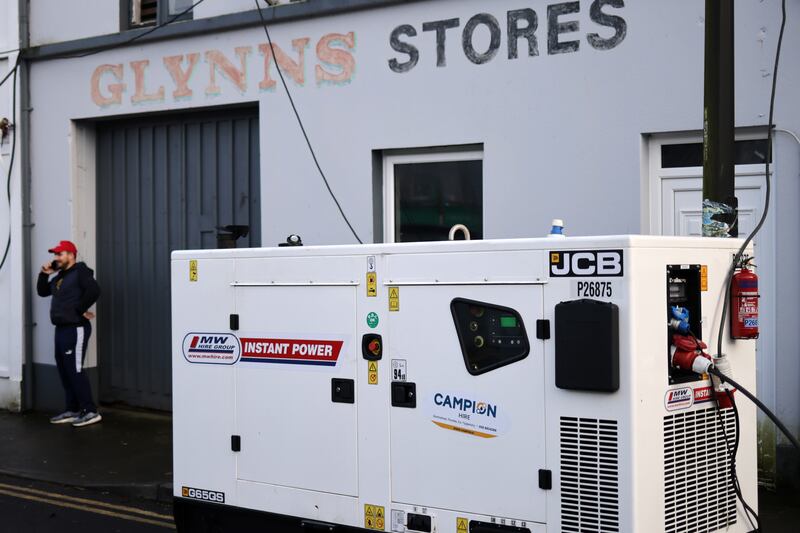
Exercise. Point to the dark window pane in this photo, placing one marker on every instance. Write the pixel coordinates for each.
(682, 155)
(432, 197)
(752, 152)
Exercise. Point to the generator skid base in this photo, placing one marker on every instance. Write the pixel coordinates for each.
(527, 385)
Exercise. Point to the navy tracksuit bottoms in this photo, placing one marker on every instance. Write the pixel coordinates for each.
(71, 344)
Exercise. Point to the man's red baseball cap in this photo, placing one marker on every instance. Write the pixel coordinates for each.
(64, 246)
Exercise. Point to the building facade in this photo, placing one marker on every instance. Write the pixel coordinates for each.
(497, 115)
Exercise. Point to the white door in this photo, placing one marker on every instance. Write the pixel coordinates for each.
(295, 340)
(681, 204)
(476, 429)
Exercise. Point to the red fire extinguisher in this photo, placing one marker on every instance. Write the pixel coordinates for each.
(744, 303)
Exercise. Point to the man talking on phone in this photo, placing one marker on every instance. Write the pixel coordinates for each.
(73, 290)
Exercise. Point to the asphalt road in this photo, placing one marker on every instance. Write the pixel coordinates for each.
(33, 507)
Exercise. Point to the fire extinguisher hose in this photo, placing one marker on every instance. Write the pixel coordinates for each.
(760, 404)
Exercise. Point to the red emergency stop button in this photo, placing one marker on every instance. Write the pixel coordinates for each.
(375, 347)
(372, 347)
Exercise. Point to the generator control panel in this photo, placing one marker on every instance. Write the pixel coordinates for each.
(490, 335)
(683, 305)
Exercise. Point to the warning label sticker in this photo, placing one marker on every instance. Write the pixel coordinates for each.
(372, 373)
(394, 298)
(462, 525)
(374, 517)
(321, 352)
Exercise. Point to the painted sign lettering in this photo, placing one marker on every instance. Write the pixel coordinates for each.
(336, 65)
(520, 24)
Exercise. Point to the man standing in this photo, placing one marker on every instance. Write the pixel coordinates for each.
(74, 291)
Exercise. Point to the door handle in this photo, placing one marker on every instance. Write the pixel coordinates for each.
(343, 390)
(404, 394)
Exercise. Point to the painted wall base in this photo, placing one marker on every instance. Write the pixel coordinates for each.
(10, 394)
(48, 394)
(788, 469)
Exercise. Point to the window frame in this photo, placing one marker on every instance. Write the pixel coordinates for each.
(395, 157)
(162, 15)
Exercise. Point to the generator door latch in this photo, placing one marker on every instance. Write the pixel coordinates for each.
(372, 347)
(236, 443)
(545, 479)
(234, 322)
(404, 394)
(343, 391)
(543, 329)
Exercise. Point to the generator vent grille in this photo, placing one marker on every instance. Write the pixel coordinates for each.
(589, 475)
(698, 495)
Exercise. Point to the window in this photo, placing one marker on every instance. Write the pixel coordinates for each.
(152, 12)
(746, 152)
(491, 336)
(427, 193)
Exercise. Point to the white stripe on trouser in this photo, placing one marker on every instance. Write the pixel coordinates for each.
(79, 350)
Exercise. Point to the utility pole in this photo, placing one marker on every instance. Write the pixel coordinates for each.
(719, 200)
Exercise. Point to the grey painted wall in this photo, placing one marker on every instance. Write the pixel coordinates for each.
(562, 133)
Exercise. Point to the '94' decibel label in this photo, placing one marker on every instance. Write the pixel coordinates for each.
(593, 289)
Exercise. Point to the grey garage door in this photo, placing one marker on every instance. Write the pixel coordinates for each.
(163, 184)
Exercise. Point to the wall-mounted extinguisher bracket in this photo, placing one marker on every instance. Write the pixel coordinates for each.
(744, 303)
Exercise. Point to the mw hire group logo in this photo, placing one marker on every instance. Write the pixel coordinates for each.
(211, 348)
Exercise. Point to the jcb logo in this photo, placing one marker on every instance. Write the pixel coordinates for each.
(590, 263)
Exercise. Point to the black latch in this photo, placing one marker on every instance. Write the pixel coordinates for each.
(343, 391)
(372, 347)
(545, 479)
(236, 443)
(543, 329)
(234, 322)
(418, 522)
(404, 394)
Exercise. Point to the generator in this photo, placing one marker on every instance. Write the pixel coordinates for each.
(524, 385)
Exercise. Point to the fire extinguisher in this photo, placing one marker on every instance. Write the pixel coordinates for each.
(744, 303)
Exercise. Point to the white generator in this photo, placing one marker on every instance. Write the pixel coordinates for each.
(471, 386)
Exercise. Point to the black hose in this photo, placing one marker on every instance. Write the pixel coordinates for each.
(759, 404)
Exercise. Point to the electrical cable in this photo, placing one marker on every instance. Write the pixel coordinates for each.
(760, 404)
(11, 159)
(732, 452)
(302, 128)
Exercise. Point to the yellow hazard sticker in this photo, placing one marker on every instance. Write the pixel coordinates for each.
(462, 525)
(394, 298)
(555, 258)
(374, 517)
(704, 277)
(372, 373)
(193, 270)
(372, 284)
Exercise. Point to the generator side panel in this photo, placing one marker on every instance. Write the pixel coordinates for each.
(204, 354)
(680, 446)
(588, 387)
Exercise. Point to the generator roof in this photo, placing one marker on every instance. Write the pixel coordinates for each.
(486, 245)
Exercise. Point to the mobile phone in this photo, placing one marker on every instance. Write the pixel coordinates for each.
(54, 265)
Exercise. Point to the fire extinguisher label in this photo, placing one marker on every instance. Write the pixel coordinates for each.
(751, 322)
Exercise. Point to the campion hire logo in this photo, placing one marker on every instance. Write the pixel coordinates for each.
(211, 348)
